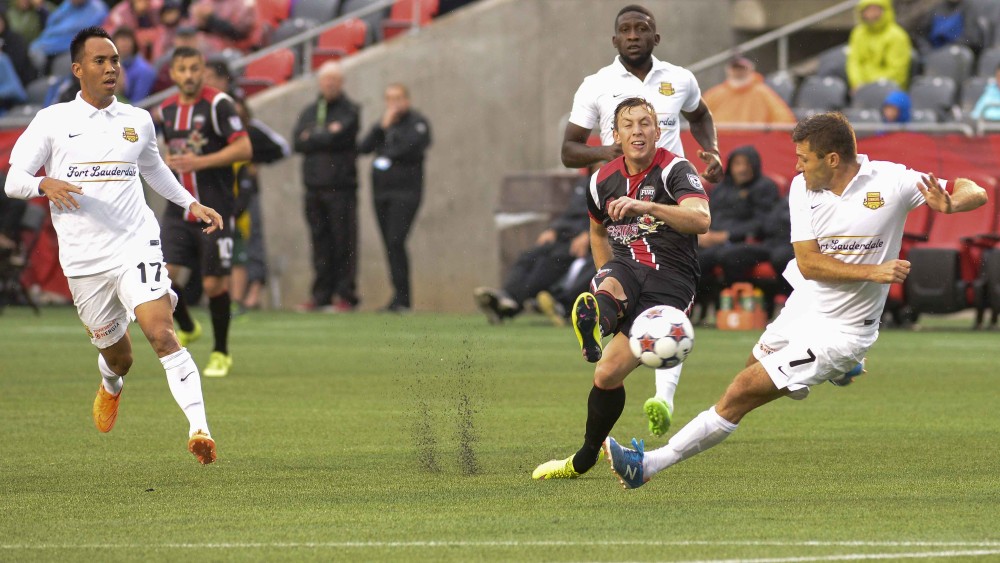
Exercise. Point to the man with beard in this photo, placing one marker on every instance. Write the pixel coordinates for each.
(205, 136)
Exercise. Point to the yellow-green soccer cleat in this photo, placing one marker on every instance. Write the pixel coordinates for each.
(587, 326)
(184, 337)
(556, 469)
(218, 365)
(659, 415)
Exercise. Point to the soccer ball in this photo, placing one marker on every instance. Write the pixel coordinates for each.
(661, 337)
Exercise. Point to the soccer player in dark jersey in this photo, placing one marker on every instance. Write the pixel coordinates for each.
(205, 136)
(647, 208)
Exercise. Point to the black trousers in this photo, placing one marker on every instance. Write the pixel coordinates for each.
(395, 211)
(537, 269)
(333, 228)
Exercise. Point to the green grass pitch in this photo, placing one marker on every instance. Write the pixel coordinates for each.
(368, 437)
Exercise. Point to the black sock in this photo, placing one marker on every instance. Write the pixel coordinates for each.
(611, 312)
(604, 406)
(181, 313)
(218, 306)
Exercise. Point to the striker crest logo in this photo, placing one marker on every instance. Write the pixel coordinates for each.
(646, 193)
(873, 200)
(130, 135)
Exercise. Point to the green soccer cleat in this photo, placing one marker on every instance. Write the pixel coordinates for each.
(184, 337)
(587, 326)
(218, 365)
(658, 412)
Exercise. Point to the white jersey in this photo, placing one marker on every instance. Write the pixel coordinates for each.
(102, 151)
(670, 88)
(863, 225)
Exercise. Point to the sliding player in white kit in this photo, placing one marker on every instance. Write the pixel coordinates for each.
(674, 92)
(93, 150)
(847, 217)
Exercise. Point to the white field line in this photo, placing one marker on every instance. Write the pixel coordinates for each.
(554, 543)
(858, 557)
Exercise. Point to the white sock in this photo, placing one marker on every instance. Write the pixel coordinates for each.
(111, 381)
(666, 384)
(704, 431)
(185, 385)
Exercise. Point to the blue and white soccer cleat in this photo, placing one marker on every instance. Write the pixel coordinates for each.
(848, 378)
(626, 463)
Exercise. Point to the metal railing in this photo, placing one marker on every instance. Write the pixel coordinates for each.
(780, 36)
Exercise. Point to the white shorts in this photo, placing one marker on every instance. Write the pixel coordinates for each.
(106, 302)
(799, 351)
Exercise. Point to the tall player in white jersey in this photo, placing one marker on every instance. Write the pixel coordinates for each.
(93, 150)
(847, 216)
(674, 92)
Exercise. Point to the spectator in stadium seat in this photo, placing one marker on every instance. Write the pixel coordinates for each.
(218, 76)
(135, 14)
(171, 16)
(398, 141)
(745, 98)
(878, 46)
(62, 25)
(141, 74)
(949, 22)
(988, 104)
(28, 17)
(897, 107)
(546, 263)
(14, 46)
(739, 205)
(326, 135)
(226, 23)
(11, 90)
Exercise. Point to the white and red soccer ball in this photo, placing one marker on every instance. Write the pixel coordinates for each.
(661, 337)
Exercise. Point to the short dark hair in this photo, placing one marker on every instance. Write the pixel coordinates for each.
(635, 8)
(183, 53)
(80, 39)
(124, 31)
(826, 133)
(221, 68)
(633, 103)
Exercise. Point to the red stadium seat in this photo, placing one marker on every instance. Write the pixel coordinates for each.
(269, 70)
(401, 16)
(784, 185)
(340, 41)
(273, 12)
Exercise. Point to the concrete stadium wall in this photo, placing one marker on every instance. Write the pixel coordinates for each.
(495, 80)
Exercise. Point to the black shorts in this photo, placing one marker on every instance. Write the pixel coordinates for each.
(184, 244)
(645, 287)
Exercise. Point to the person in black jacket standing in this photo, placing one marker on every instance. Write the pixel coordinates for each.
(398, 142)
(326, 135)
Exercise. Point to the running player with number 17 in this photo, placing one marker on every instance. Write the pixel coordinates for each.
(93, 150)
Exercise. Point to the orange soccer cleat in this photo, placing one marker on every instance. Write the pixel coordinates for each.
(202, 446)
(105, 409)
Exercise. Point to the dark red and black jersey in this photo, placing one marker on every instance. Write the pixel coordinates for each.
(669, 180)
(204, 127)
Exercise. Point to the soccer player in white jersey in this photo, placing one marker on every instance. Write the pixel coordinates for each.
(93, 150)
(847, 216)
(674, 92)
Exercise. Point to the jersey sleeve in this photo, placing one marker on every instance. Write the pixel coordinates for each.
(799, 213)
(682, 181)
(30, 153)
(585, 112)
(157, 174)
(594, 205)
(226, 121)
(693, 98)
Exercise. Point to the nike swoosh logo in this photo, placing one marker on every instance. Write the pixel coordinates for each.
(155, 289)
(186, 376)
(815, 206)
(72, 135)
(779, 369)
(619, 95)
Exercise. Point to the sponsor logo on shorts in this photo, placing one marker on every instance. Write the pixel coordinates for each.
(765, 348)
(102, 331)
(154, 243)
(602, 272)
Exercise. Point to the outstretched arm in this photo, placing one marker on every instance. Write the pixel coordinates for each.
(966, 195)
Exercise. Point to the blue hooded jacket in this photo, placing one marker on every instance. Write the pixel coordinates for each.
(901, 100)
